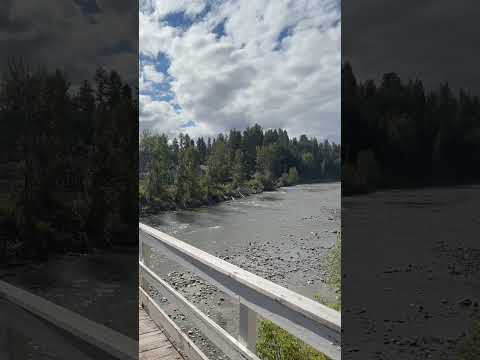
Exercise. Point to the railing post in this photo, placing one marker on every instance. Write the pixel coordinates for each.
(247, 332)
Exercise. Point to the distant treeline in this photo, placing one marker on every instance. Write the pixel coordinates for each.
(69, 160)
(397, 134)
(183, 172)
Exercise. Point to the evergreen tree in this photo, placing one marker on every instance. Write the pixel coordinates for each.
(187, 189)
(218, 162)
(239, 170)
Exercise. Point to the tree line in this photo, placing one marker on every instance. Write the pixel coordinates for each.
(397, 134)
(184, 172)
(69, 160)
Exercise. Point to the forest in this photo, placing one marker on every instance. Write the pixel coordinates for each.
(397, 134)
(68, 163)
(183, 172)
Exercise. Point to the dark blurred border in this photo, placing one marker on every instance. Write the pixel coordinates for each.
(410, 183)
(69, 159)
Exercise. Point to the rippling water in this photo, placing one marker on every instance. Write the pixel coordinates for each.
(292, 220)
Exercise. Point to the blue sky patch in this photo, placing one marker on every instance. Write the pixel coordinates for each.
(287, 31)
(162, 63)
(189, 124)
(219, 29)
(178, 20)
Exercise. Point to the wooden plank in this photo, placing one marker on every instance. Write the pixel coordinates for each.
(232, 347)
(153, 340)
(304, 318)
(160, 354)
(171, 330)
(153, 343)
(146, 326)
(142, 315)
(100, 336)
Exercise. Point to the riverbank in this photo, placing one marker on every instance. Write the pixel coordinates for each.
(220, 193)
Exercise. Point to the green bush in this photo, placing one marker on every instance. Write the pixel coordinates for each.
(293, 178)
(255, 184)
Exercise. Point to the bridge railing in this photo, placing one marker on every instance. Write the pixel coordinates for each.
(56, 328)
(308, 320)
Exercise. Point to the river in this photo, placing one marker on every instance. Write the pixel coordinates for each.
(411, 266)
(281, 235)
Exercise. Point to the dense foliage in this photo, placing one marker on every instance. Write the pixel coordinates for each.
(396, 134)
(69, 160)
(185, 173)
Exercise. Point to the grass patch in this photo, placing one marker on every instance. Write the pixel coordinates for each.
(274, 343)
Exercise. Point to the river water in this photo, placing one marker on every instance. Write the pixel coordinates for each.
(411, 266)
(294, 226)
(282, 236)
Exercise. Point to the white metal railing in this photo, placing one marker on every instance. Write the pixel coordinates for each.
(58, 328)
(308, 320)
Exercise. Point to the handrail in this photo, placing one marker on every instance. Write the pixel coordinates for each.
(110, 342)
(305, 318)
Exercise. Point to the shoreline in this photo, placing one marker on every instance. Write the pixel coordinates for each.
(435, 186)
(166, 206)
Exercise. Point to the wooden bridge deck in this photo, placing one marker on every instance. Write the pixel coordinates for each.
(154, 345)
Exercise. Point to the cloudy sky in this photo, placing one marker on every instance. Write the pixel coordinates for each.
(76, 36)
(434, 40)
(210, 66)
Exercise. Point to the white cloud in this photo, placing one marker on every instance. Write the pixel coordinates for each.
(247, 76)
(53, 25)
(151, 74)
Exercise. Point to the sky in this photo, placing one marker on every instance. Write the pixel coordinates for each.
(206, 67)
(433, 40)
(76, 36)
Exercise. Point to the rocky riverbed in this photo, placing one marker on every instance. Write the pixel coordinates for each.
(421, 247)
(292, 258)
(265, 260)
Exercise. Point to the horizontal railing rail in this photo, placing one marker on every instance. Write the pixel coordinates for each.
(28, 309)
(308, 320)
